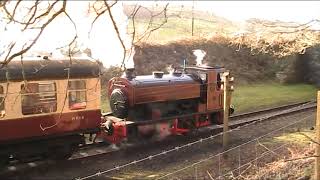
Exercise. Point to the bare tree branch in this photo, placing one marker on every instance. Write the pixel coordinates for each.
(117, 31)
(99, 14)
(133, 15)
(34, 8)
(11, 15)
(43, 27)
(292, 26)
(148, 30)
(70, 54)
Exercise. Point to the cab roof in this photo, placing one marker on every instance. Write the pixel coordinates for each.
(206, 68)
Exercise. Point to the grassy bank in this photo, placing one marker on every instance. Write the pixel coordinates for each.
(179, 28)
(257, 96)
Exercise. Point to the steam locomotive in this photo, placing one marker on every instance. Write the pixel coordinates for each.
(164, 104)
(49, 106)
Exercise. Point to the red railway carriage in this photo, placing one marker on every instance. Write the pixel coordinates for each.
(176, 103)
(46, 104)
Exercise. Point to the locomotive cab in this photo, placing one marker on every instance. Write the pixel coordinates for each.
(211, 93)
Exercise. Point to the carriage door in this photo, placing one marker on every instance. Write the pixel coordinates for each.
(213, 96)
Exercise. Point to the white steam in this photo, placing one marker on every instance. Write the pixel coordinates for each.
(170, 68)
(200, 54)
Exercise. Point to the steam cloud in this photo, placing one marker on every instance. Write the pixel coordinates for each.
(200, 54)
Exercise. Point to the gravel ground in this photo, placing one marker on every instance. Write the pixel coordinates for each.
(159, 166)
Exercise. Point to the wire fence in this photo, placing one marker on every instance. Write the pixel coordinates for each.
(260, 158)
(250, 153)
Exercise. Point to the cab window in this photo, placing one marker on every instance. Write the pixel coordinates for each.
(38, 98)
(77, 94)
(203, 76)
(2, 98)
(219, 81)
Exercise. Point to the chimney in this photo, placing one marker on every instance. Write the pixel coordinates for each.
(129, 73)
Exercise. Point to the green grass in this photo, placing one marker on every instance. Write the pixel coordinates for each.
(257, 96)
(105, 107)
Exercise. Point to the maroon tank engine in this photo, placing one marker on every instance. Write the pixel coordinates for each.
(185, 99)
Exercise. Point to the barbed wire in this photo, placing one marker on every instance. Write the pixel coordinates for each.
(255, 159)
(295, 166)
(221, 153)
(201, 140)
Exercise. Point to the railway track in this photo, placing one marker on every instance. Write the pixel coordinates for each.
(273, 109)
(235, 121)
(265, 114)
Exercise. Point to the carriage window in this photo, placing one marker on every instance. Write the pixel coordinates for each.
(77, 94)
(2, 110)
(38, 98)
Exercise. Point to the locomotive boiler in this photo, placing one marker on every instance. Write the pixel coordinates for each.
(185, 99)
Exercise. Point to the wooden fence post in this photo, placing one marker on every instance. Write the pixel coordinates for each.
(192, 22)
(317, 165)
(226, 106)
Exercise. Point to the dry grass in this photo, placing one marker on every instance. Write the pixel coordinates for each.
(295, 161)
(294, 168)
(276, 43)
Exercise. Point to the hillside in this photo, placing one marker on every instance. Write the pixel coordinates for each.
(257, 50)
(178, 24)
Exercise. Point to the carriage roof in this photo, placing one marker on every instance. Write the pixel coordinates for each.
(45, 69)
